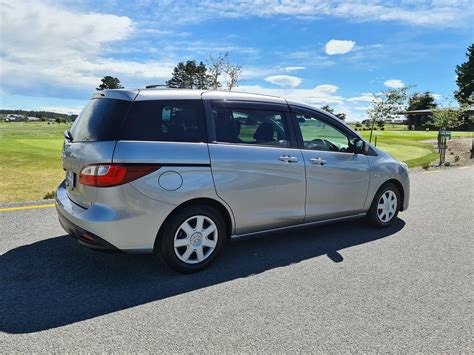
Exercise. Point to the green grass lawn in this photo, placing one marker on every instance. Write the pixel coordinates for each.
(30, 159)
(30, 155)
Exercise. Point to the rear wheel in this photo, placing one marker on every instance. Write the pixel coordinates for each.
(385, 206)
(192, 238)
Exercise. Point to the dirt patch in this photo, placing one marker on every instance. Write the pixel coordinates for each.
(459, 152)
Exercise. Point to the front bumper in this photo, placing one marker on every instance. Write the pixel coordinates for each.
(129, 221)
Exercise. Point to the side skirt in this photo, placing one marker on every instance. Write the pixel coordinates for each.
(297, 226)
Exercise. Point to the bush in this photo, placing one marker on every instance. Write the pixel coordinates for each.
(452, 153)
(456, 158)
(426, 166)
(50, 195)
(447, 163)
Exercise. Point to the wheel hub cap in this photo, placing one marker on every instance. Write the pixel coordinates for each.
(195, 239)
(387, 206)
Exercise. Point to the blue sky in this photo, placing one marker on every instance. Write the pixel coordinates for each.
(53, 54)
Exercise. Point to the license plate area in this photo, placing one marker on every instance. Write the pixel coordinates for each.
(70, 179)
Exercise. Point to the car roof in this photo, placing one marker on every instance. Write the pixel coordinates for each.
(184, 94)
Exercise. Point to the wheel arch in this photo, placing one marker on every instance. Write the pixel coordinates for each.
(219, 206)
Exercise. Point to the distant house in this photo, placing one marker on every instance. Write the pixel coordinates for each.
(13, 118)
(32, 119)
(420, 119)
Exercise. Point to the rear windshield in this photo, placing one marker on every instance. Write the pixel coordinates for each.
(100, 120)
(165, 120)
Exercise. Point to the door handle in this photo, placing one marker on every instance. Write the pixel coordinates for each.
(288, 159)
(317, 161)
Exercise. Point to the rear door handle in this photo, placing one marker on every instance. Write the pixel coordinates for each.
(317, 161)
(288, 159)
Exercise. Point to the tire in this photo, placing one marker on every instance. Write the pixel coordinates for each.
(385, 206)
(192, 238)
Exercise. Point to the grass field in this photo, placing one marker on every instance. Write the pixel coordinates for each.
(30, 156)
(30, 159)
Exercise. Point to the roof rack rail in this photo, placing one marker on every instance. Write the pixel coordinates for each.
(156, 86)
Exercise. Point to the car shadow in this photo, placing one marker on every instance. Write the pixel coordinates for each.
(55, 282)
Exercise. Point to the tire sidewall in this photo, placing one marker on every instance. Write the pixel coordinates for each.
(167, 251)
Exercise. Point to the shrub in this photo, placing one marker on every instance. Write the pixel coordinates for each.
(456, 158)
(447, 163)
(426, 166)
(382, 129)
(49, 195)
(452, 153)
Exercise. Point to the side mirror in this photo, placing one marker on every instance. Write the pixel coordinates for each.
(68, 135)
(360, 146)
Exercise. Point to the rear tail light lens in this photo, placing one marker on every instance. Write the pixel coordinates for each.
(108, 175)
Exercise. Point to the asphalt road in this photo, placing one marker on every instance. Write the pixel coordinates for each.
(338, 288)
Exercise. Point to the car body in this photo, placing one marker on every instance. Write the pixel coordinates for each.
(261, 163)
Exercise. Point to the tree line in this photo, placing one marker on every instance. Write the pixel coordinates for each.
(42, 115)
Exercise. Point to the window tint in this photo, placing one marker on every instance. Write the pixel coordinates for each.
(100, 120)
(175, 121)
(319, 135)
(250, 127)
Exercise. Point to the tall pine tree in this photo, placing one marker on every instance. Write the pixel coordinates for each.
(189, 76)
(465, 79)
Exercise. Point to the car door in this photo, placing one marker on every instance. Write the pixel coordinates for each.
(257, 168)
(337, 179)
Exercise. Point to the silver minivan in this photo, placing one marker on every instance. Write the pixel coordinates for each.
(179, 172)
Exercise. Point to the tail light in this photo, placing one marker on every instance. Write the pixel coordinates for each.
(108, 175)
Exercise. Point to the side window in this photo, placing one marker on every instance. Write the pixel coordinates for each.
(320, 135)
(247, 126)
(174, 121)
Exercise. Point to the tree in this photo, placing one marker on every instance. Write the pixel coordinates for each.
(465, 79)
(234, 73)
(189, 76)
(340, 115)
(420, 101)
(109, 82)
(444, 118)
(448, 117)
(222, 71)
(387, 105)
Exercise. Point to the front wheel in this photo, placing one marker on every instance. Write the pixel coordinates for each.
(385, 206)
(192, 238)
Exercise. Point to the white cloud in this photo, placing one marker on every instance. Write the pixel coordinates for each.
(286, 81)
(423, 13)
(318, 96)
(335, 46)
(63, 51)
(364, 97)
(292, 69)
(394, 83)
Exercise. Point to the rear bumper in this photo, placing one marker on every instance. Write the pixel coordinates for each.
(131, 226)
(85, 237)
